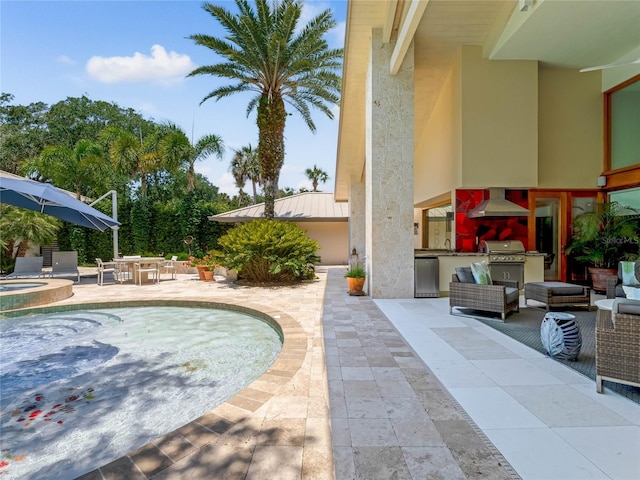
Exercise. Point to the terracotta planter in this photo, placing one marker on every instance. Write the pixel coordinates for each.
(599, 277)
(201, 270)
(208, 275)
(356, 286)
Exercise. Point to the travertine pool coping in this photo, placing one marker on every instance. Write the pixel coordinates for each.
(222, 442)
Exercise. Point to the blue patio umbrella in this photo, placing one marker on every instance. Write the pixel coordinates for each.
(45, 198)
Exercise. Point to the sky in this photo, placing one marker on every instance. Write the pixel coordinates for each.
(137, 54)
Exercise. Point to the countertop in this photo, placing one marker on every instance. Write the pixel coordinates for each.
(435, 252)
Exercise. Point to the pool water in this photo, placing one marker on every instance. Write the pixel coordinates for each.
(82, 388)
(12, 287)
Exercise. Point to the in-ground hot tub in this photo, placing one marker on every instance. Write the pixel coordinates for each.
(32, 293)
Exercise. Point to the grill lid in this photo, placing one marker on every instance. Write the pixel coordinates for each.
(497, 206)
(502, 246)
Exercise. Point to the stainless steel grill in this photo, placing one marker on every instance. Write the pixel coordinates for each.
(506, 259)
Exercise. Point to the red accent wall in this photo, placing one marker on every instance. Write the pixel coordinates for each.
(470, 231)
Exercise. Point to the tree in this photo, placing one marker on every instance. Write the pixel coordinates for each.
(142, 156)
(81, 170)
(26, 227)
(177, 149)
(246, 166)
(268, 54)
(316, 175)
(22, 132)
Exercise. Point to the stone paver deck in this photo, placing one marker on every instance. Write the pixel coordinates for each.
(347, 398)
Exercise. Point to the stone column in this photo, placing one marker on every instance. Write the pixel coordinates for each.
(357, 217)
(389, 173)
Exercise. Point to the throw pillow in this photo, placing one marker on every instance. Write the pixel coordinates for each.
(481, 273)
(631, 292)
(629, 274)
(465, 275)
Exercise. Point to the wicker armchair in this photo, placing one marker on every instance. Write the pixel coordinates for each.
(614, 282)
(502, 297)
(618, 344)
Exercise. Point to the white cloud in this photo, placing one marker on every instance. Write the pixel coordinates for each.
(227, 184)
(160, 66)
(66, 60)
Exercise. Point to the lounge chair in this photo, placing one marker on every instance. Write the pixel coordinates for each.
(27, 267)
(64, 264)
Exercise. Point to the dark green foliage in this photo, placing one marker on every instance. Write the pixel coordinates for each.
(269, 251)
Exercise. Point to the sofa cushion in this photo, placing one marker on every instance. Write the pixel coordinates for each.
(626, 306)
(628, 274)
(513, 294)
(465, 275)
(631, 292)
(481, 273)
(563, 289)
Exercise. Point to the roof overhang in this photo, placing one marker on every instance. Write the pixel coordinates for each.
(571, 34)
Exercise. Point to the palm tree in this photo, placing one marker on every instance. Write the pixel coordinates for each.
(316, 175)
(26, 226)
(81, 170)
(267, 53)
(177, 149)
(141, 157)
(245, 166)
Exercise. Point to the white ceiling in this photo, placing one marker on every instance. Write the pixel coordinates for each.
(558, 33)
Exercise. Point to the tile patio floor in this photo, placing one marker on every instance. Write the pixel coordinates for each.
(374, 389)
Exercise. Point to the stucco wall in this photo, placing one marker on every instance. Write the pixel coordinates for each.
(499, 121)
(570, 126)
(333, 238)
(434, 156)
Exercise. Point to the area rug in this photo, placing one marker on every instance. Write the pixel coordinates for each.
(524, 327)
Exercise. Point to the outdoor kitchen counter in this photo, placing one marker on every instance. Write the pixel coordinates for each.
(449, 260)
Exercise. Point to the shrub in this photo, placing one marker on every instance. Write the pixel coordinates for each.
(269, 251)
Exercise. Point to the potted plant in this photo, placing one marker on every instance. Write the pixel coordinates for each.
(604, 237)
(206, 266)
(355, 276)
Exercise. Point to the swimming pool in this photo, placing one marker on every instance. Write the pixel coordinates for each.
(12, 287)
(85, 387)
(15, 294)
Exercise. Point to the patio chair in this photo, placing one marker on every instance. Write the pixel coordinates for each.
(64, 264)
(502, 296)
(141, 268)
(27, 267)
(106, 267)
(618, 344)
(169, 266)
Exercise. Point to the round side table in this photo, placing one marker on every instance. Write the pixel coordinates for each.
(560, 335)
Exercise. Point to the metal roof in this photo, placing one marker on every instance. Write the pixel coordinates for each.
(303, 207)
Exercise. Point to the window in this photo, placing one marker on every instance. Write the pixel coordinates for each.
(628, 198)
(623, 105)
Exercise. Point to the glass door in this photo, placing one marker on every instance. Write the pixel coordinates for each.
(548, 225)
(552, 214)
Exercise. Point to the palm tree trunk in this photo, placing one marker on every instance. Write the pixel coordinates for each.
(271, 120)
(192, 178)
(255, 191)
(23, 246)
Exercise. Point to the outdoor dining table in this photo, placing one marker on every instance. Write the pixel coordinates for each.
(132, 264)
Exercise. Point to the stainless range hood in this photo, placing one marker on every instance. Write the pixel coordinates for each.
(497, 206)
